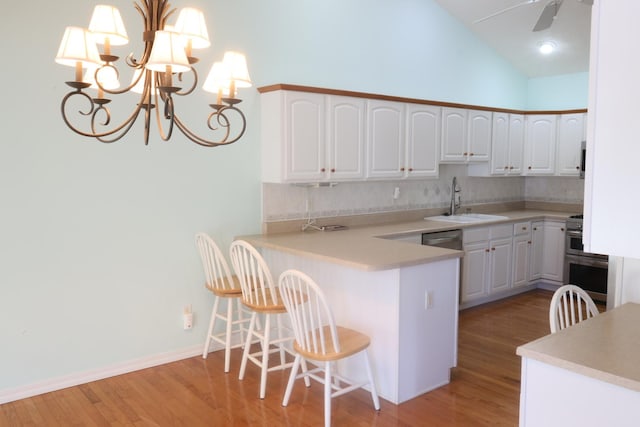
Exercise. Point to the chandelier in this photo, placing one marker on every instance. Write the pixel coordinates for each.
(166, 62)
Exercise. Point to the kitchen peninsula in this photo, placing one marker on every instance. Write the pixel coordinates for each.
(404, 296)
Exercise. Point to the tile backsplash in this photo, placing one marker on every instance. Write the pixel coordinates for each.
(282, 202)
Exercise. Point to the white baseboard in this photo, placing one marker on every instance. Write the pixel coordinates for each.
(9, 395)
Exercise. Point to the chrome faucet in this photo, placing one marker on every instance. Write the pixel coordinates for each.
(455, 197)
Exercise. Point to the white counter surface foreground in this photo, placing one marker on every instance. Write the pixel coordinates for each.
(585, 375)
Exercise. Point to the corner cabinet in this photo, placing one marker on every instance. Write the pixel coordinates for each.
(540, 144)
(571, 133)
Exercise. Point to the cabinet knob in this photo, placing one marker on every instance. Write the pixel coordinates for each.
(402, 169)
(562, 229)
(529, 242)
(333, 170)
(471, 154)
(410, 169)
(524, 228)
(506, 167)
(529, 168)
(577, 168)
(486, 250)
(322, 170)
(465, 153)
(535, 228)
(511, 167)
(493, 249)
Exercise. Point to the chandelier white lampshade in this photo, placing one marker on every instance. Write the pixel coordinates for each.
(107, 26)
(139, 86)
(107, 76)
(191, 26)
(236, 64)
(168, 51)
(78, 46)
(217, 81)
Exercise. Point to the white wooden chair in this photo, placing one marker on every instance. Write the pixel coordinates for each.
(223, 285)
(320, 341)
(570, 304)
(261, 296)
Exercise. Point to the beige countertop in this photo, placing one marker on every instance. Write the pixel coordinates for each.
(605, 347)
(369, 248)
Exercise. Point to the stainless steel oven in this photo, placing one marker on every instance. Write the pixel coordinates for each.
(586, 270)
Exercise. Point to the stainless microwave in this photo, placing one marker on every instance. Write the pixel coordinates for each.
(583, 158)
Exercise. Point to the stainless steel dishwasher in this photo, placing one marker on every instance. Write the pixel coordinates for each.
(450, 239)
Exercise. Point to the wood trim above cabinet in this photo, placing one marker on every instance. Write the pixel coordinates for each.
(299, 88)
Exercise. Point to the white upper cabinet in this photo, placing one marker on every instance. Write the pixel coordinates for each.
(540, 144)
(507, 144)
(346, 138)
(466, 135)
(571, 133)
(423, 140)
(311, 137)
(386, 141)
(454, 146)
(479, 135)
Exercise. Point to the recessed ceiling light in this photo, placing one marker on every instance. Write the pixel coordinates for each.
(547, 47)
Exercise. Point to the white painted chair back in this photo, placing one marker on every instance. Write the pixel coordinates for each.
(570, 305)
(311, 317)
(216, 270)
(258, 289)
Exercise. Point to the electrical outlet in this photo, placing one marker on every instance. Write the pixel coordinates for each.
(187, 318)
(396, 193)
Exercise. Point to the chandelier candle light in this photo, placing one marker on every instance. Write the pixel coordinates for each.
(167, 56)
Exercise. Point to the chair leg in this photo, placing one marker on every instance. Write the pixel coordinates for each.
(247, 345)
(372, 384)
(292, 379)
(265, 356)
(227, 338)
(327, 394)
(240, 320)
(307, 380)
(281, 344)
(214, 311)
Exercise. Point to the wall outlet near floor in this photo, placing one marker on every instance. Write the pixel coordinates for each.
(187, 317)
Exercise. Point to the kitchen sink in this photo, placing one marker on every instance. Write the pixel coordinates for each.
(467, 218)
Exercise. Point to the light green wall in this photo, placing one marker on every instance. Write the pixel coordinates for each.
(563, 92)
(97, 254)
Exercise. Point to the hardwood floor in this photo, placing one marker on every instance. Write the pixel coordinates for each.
(484, 390)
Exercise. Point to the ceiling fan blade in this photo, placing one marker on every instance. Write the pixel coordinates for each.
(500, 12)
(548, 15)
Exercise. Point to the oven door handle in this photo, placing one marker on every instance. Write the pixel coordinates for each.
(586, 261)
(572, 233)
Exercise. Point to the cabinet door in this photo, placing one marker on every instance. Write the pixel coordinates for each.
(304, 137)
(537, 250)
(521, 256)
(570, 137)
(500, 144)
(553, 254)
(516, 143)
(479, 138)
(500, 270)
(385, 129)
(423, 140)
(474, 271)
(540, 144)
(346, 137)
(454, 135)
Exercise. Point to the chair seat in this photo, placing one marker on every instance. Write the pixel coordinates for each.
(351, 342)
(230, 290)
(256, 302)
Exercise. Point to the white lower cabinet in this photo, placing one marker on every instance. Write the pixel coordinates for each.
(521, 254)
(506, 259)
(487, 261)
(547, 251)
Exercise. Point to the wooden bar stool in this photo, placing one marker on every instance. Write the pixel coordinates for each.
(223, 285)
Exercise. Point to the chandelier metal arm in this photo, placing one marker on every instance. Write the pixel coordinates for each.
(222, 121)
